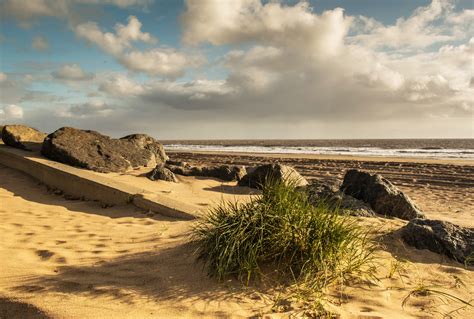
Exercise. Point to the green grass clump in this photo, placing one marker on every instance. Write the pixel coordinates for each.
(312, 244)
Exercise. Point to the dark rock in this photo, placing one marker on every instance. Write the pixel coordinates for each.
(277, 171)
(224, 172)
(160, 172)
(318, 191)
(1, 129)
(94, 151)
(380, 194)
(176, 163)
(22, 136)
(180, 170)
(440, 237)
(149, 143)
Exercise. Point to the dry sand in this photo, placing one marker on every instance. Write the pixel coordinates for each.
(75, 259)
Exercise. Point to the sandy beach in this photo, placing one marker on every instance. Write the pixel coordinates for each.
(76, 259)
(441, 187)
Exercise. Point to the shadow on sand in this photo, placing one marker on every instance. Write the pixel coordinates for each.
(166, 274)
(24, 186)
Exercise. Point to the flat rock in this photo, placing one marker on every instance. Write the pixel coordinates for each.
(384, 198)
(279, 172)
(22, 136)
(440, 237)
(94, 151)
(160, 172)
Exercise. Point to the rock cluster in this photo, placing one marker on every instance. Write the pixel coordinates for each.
(380, 194)
(97, 152)
(278, 172)
(22, 136)
(224, 172)
(441, 237)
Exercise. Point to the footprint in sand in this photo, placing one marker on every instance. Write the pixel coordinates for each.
(44, 254)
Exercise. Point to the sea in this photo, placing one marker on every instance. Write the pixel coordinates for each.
(416, 148)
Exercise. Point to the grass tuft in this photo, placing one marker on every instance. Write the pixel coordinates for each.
(280, 229)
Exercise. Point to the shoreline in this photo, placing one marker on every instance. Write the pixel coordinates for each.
(421, 160)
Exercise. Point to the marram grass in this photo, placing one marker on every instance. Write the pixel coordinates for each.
(280, 229)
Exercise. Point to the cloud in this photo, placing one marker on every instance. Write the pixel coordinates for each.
(26, 11)
(114, 43)
(297, 27)
(166, 62)
(86, 110)
(434, 23)
(40, 43)
(11, 112)
(72, 72)
(120, 84)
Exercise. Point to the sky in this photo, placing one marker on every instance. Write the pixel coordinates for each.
(245, 69)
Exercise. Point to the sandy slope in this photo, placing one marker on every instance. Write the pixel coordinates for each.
(74, 259)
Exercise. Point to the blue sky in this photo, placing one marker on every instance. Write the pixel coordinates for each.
(240, 68)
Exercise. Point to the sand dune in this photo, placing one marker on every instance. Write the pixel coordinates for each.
(75, 259)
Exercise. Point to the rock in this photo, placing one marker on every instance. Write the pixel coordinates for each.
(149, 143)
(94, 151)
(440, 237)
(224, 172)
(380, 194)
(277, 171)
(160, 172)
(318, 191)
(180, 170)
(22, 136)
(1, 129)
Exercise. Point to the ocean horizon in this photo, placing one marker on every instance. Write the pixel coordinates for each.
(416, 148)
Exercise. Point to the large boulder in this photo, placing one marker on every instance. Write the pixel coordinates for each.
(160, 172)
(224, 172)
(22, 136)
(380, 194)
(149, 143)
(1, 129)
(94, 151)
(276, 171)
(318, 191)
(441, 237)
